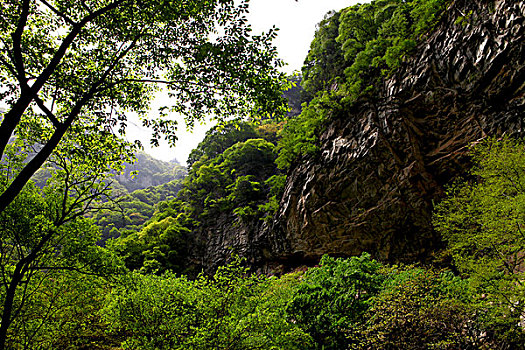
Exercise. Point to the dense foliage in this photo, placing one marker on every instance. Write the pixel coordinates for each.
(482, 220)
(150, 182)
(45, 234)
(232, 175)
(354, 303)
(331, 302)
(231, 310)
(60, 289)
(423, 309)
(352, 51)
(130, 212)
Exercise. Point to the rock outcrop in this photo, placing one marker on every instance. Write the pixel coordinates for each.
(383, 163)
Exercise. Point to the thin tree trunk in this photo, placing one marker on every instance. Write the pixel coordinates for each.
(11, 120)
(8, 304)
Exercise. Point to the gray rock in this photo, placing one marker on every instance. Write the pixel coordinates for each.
(383, 163)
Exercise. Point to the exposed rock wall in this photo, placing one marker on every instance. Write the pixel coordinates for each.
(220, 237)
(383, 163)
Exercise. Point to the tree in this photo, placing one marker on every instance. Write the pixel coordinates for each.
(220, 138)
(44, 231)
(482, 219)
(325, 60)
(236, 183)
(87, 63)
(353, 50)
(332, 299)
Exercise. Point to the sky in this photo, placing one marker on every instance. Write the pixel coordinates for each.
(296, 21)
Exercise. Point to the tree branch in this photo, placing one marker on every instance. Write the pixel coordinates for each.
(52, 118)
(17, 42)
(58, 13)
(12, 118)
(83, 2)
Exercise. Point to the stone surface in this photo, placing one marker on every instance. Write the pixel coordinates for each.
(383, 163)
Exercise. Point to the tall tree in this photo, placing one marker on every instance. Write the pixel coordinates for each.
(43, 231)
(70, 71)
(89, 62)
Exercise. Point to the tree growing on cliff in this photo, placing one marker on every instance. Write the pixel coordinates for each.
(66, 63)
(353, 50)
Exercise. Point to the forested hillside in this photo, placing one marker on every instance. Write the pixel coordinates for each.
(382, 207)
(136, 191)
(147, 171)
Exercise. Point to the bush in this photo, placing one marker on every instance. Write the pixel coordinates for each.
(422, 309)
(332, 299)
(232, 310)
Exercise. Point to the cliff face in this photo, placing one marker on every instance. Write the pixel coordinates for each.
(383, 163)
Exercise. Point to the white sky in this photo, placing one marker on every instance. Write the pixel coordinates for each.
(296, 21)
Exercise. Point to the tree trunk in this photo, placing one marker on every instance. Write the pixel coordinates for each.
(8, 303)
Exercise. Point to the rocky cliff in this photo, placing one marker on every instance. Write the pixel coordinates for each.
(383, 163)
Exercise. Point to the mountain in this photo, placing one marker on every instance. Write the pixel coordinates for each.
(140, 188)
(149, 172)
(395, 92)
(383, 162)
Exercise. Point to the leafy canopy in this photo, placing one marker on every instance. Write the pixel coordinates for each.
(66, 63)
(482, 219)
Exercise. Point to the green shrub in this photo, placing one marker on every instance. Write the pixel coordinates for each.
(422, 309)
(232, 310)
(332, 300)
(483, 219)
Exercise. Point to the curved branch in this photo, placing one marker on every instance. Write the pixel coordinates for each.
(58, 13)
(13, 116)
